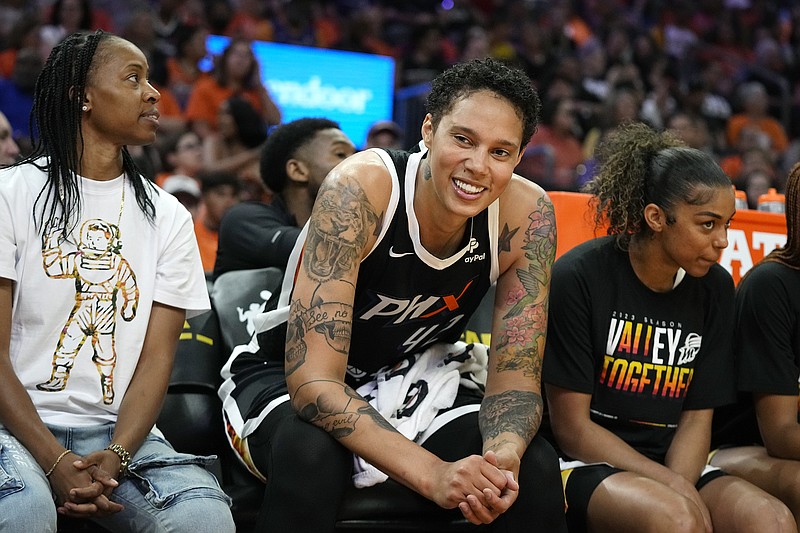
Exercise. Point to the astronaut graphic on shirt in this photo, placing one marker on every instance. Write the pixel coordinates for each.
(101, 274)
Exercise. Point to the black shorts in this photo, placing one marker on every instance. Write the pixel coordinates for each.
(581, 482)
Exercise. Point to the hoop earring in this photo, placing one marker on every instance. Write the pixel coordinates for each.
(85, 108)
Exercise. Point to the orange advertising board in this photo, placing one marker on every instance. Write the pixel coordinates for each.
(752, 235)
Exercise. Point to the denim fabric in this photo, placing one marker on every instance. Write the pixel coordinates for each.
(166, 491)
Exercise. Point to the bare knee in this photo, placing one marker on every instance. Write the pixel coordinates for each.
(679, 515)
(767, 515)
(675, 514)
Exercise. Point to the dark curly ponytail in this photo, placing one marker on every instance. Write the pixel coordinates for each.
(640, 166)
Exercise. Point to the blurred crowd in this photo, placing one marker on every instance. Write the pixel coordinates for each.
(724, 75)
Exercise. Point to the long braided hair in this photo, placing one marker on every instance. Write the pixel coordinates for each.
(58, 150)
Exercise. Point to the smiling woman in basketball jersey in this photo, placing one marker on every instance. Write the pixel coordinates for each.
(398, 253)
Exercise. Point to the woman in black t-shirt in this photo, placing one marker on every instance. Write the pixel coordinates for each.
(639, 348)
(767, 348)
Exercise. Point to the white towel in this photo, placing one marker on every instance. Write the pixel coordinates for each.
(412, 392)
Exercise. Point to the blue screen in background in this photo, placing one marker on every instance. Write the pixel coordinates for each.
(350, 88)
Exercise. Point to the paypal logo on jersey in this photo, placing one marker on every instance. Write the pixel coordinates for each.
(472, 245)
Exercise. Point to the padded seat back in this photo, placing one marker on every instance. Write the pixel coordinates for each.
(238, 297)
(190, 416)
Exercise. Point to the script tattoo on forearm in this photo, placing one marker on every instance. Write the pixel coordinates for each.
(517, 412)
(340, 422)
(338, 230)
(520, 344)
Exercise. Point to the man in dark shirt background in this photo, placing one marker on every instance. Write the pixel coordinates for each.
(295, 159)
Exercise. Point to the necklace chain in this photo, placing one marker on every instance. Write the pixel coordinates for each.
(121, 202)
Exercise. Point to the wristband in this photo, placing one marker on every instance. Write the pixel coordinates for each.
(58, 460)
(124, 457)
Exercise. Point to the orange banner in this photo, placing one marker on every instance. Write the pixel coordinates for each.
(752, 235)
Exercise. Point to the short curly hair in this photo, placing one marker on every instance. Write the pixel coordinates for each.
(488, 74)
(283, 144)
(640, 166)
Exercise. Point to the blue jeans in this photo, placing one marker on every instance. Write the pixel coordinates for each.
(166, 491)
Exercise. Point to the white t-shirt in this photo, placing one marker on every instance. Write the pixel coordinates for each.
(81, 307)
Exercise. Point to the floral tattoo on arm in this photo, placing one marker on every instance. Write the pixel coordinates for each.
(519, 346)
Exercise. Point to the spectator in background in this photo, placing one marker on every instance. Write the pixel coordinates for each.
(364, 33)
(691, 129)
(727, 46)
(67, 17)
(534, 52)
(186, 190)
(475, 44)
(715, 110)
(11, 13)
(183, 68)
(645, 52)
(662, 100)
(250, 20)
(755, 113)
(292, 24)
(427, 55)
(24, 34)
(593, 71)
(171, 15)
(139, 29)
(295, 159)
(16, 95)
(219, 192)
(236, 73)
(384, 134)
(621, 107)
(180, 153)
(755, 182)
(753, 142)
(678, 36)
(236, 144)
(500, 30)
(558, 135)
(9, 151)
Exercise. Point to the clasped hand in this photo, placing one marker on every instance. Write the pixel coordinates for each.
(480, 487)
(83, 485)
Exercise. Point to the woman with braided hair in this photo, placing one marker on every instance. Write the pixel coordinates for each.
(98, 271)
(765, 446)
(639, 349)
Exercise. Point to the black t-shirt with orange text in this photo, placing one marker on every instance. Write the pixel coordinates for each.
(643, 356)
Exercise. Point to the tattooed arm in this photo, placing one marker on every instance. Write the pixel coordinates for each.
(512, 407)
(342, 228)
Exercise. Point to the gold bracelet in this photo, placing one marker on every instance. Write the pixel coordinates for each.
(58, 460)
(124, 457)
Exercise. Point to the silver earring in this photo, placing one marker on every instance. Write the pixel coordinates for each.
(85, 108)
